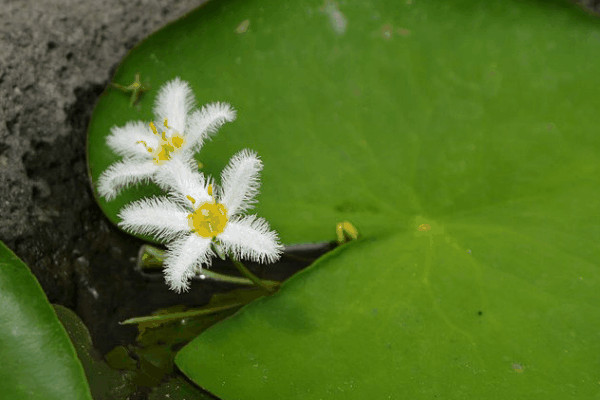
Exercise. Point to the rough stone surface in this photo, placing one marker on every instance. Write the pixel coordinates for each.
(591, 5)
(55, 58)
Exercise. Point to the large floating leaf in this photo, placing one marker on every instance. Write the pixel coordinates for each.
(433, 321)
(460, 137)
(38, 360)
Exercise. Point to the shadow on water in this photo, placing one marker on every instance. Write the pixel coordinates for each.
(113, 289)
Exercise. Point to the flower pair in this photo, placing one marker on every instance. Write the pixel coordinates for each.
(197, 218)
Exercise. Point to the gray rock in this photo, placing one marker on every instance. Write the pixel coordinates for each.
(55, 58)
(591, 5)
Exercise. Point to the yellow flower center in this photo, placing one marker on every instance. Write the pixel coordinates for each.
(208, 220)
(166, 145)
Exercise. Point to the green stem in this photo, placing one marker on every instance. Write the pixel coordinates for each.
(232, 279)
(246, 272)
(180, 315)
(117, 86)
(152, 258)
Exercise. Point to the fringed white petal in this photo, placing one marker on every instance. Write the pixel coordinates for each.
(251, 238)
(179, 176)
(240, 182)
(185, 257)
(129, 140)
(157, 216)
(173, 102)
(205, 122)
(122, 174)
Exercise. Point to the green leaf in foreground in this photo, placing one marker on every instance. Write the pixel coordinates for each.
(105, 382)
(459, 137)
(38, 360)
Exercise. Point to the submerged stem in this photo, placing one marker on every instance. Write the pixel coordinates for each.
(180, 315)
(232, 279)
(152, 258)
(257, 281)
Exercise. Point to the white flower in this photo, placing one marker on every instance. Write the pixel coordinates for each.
(198, 215)
(178, 132)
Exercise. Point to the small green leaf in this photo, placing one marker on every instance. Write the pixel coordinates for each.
(191, 313)
(119, 358)
(38, 360)
(105, 383)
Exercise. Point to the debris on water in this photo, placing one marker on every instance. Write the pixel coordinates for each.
(243, 26)
(403, 32)
(337, 19)
(93, 292)
(517, 368)
(388, 31)
(424, 228)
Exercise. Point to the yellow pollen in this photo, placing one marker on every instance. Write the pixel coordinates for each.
(153, 128)
(162, 155)
(208, 220)
(424, 228)
(146, 146)
(210, 190)
(190, 198)
(166, 147)
(177, 141)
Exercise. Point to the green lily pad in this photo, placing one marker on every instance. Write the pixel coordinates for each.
(434, 321)
(459, 138)
(38, 360)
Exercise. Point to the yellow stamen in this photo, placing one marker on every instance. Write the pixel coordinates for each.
(190, 198)
(145, 145)
(345, 232)
(166, 147)
(177, 141)
(210, 190)
(208, 220)
(162, 155)
(153, 128)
